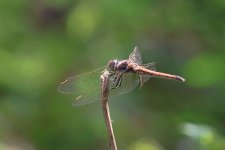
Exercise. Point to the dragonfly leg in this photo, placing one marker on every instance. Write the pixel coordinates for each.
(119, 75)
(118, 80)
(111, 76)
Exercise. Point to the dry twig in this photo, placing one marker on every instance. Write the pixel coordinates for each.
(105, 107)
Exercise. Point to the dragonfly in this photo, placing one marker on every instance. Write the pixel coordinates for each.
(125, 76)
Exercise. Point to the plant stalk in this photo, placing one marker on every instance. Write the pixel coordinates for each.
(105, 108)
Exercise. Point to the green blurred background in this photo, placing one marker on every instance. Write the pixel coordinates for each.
(44, 42)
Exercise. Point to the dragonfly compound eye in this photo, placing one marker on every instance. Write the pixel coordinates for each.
(111, 65)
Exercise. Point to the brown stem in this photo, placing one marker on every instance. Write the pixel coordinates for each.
(105, 108)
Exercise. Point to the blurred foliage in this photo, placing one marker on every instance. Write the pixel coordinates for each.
(43, 42)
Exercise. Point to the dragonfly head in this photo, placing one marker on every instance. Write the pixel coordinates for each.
(111, 66)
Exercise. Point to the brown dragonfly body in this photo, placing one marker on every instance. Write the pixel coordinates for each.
(133, 64)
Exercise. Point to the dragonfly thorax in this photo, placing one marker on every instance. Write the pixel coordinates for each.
(117, 65)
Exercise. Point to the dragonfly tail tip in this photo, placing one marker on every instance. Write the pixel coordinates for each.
(180, 79)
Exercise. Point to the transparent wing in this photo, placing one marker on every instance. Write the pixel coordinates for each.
(135, 56)
(85, 87)
(151, 66)
(129, 82)
(145, 78)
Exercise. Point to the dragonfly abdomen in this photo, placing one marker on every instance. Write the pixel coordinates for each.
(143, 71)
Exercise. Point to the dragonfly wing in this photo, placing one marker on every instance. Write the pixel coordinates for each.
(135, 56)
(145, 78)
(150, 66)
(129, 82)
(85, 87)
